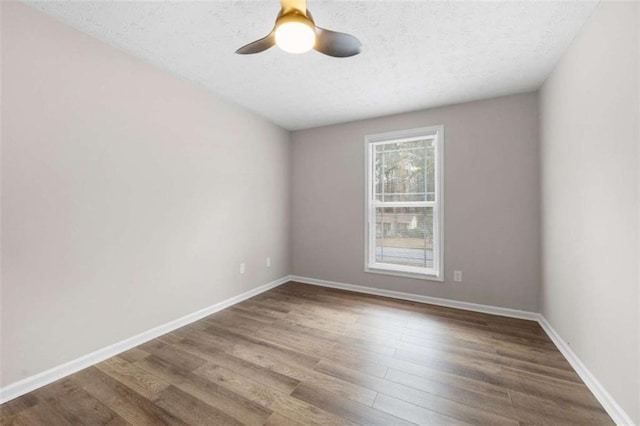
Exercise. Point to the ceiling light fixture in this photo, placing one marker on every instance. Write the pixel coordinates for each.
(295, 33)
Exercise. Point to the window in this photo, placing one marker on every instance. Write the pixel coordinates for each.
(404, 205)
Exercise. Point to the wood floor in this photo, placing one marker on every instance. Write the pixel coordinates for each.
(300, 354)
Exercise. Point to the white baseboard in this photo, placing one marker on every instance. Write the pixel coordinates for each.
(36, 381)
(619, 416)
(467, 306)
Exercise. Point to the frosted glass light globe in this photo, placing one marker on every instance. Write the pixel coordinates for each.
(295, 36)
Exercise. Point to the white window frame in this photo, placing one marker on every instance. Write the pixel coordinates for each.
(370, 142)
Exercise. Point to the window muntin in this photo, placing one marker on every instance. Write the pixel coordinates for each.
(404, 203)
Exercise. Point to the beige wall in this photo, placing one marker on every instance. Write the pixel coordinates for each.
(491, 202)
(589, 138)
(129, 196)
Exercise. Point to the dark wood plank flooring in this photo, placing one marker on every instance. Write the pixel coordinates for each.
(300, 354)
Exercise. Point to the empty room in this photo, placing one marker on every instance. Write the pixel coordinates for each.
(321, 212)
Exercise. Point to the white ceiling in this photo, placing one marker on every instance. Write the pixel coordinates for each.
(416, 54)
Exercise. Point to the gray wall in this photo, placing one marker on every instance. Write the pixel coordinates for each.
(590, 194)
(129, 196)
(492, 217)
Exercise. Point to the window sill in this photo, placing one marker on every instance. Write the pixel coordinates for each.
(404, 274)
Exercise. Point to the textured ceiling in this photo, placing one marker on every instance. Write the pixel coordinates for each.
(416, 54)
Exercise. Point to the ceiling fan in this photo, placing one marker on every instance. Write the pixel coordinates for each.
(296, 32)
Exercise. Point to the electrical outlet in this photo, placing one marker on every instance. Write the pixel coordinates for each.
(457, 276)
(242, 268)
(268, 262)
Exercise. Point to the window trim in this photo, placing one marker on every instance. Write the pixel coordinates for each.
(401, 136)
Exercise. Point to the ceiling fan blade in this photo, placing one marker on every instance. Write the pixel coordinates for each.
(258, 45)
(339, 45)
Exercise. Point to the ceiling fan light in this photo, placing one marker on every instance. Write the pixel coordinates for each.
(295, 34)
